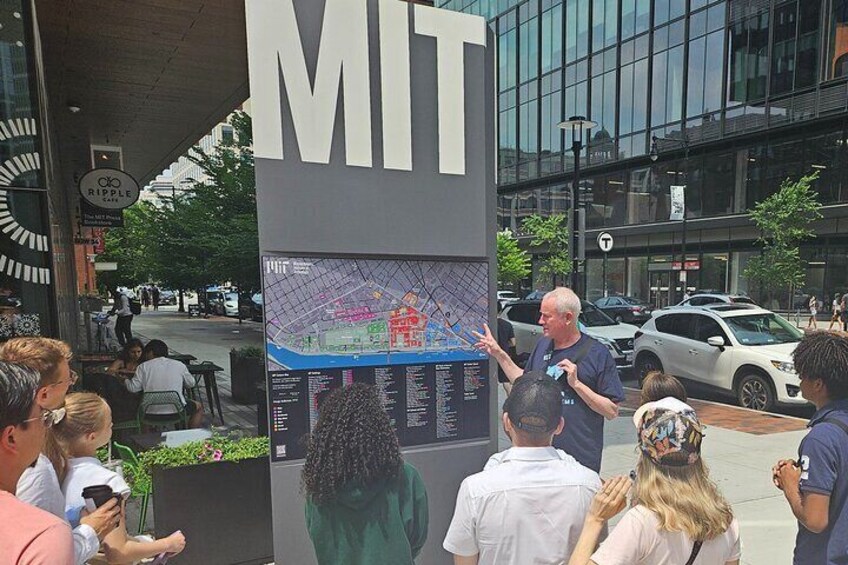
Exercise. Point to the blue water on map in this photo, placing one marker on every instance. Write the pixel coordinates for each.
(292, 360)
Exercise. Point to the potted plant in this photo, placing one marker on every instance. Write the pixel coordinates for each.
(218, 492)
(247, 369)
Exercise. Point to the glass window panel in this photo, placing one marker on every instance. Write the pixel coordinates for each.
(627, 52)
(642, 47)
(529, 46)
(748, 68)
(713, 72)
(676, 8)
(715, 17)
(676, 33)
(625, 122)
(660, 39)
(611, 23)
(598, 24)
(807, 59)
(643, 15)
(676, 76)
(628, 18)
(697, 4)
(698, 24)
(658, 90)
(571, 31)
(695, 88)
(17, 104)
(783, 50)
(660, 12)
(507, 55)
(640, 95)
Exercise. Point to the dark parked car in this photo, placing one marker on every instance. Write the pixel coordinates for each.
(625, 309)
(251, 306)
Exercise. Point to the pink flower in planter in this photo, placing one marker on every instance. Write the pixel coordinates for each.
(218, 455)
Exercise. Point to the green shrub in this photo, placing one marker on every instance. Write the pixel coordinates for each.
(248, 351)
(212, 450)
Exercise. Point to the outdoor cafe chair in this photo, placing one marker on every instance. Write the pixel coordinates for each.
(175, 416)
(131, 464)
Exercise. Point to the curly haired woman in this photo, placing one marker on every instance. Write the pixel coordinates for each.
(363, 503)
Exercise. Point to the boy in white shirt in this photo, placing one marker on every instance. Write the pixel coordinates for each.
(159, 374)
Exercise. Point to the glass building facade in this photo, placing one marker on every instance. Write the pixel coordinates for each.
(755, 88)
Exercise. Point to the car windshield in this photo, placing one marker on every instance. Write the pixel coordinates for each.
(763, 329)
(742, 300)
(592, 317)
(631, 300)
(231, 296)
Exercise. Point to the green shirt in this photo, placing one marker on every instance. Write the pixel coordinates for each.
(385, 523)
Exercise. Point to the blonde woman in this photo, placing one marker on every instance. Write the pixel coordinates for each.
(678, 514)
(72, 447)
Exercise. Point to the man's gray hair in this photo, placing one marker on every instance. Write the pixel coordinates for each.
(18, 385)
(565, 301)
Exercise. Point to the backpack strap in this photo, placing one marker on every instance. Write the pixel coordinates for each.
(695, 550)
(835, 422)
(578, 355)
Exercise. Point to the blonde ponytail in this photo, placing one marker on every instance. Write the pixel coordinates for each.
(85, 413)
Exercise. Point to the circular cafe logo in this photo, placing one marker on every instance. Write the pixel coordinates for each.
(108, 188)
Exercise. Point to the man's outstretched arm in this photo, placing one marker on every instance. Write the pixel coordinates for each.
(488, 344)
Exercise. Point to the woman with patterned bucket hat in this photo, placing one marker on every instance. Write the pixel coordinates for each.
(678, 516)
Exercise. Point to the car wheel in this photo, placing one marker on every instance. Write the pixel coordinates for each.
(647, 363)
(755, 391)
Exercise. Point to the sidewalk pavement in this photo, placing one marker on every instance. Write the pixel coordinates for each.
(740, 447)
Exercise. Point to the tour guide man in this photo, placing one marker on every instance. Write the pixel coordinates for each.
(591, 387)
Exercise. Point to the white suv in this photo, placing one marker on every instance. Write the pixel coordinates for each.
(617, 337)
(737, 348)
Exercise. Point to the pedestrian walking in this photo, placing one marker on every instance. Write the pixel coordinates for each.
(816, 484)
(123, 324)
(836, 306)
(145, 298)
(678, 514)
(814, 310)
(843, 312)
(587, 372)
(155, 295)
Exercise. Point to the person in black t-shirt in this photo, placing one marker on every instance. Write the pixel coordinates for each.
(506, 341)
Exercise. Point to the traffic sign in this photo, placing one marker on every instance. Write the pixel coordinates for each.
(605, 241)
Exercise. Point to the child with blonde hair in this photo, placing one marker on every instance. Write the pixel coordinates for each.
(72, 448)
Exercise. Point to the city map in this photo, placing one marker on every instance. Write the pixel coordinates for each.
(332, 312)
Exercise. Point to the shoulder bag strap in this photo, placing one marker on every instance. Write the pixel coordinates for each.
(835, 422)
(695, 550)
(579, 354)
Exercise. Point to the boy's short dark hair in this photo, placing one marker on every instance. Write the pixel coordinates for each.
(156, 348)
(824, 356)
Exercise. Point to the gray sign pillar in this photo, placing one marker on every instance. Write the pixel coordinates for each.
(373, 136)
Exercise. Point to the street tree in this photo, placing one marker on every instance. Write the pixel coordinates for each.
(551, 239)
(513, 262)
(784, 220)
(132, 247)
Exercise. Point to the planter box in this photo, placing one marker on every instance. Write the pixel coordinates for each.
(245, 374)
(224, 510)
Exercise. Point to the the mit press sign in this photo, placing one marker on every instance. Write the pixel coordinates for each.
(605, 242)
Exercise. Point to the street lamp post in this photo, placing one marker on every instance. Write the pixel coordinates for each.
(654, 154)
(577, 125)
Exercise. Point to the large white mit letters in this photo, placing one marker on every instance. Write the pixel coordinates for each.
(344, 46)
(274, 47)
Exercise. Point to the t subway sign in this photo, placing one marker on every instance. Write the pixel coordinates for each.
(278, 66)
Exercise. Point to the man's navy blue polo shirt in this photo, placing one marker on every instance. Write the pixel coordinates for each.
(583, 436)
(823, 455)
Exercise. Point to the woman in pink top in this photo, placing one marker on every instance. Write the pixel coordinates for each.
(678, 516)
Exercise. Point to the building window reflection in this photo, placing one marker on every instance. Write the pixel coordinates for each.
(837, 54)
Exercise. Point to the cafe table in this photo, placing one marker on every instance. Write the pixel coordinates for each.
(182, 357)
(207, 371)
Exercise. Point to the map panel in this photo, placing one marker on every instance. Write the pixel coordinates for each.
(323, 313)
(402, 326)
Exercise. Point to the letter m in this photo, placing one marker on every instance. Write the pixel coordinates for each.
(275, 48)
